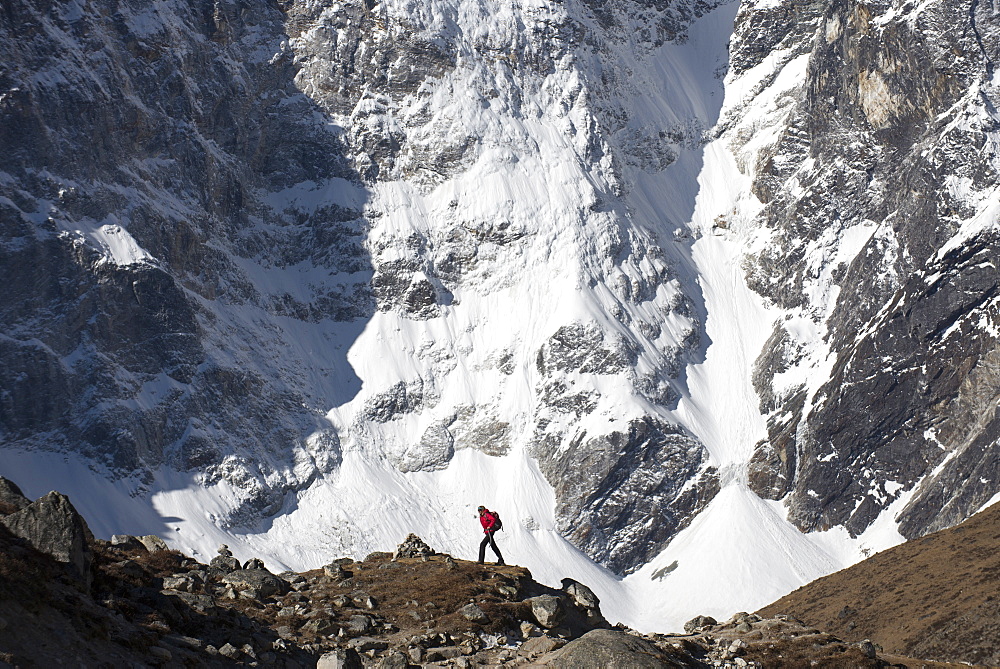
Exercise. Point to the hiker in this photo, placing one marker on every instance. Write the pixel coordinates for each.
(491, 523)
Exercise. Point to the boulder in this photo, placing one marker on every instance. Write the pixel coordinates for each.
(53, 526)
(529, 629)
(360, 624)
(608, 649)
(341, 658)
(292, 578)
(335, 572)
(225, 565)
(585, 600)
(259, 583)
(473, 613)
(320, 626)
(153, 543)
(364, 600)
(869, 649)
(580, 594)
(396, 660)
(254, 563)
(699, 623)
(12, 496)
(508, 592)
(734, 649)
(442, 653)
(541, 644)
(548, 610)
(127, 542)
(230, 651)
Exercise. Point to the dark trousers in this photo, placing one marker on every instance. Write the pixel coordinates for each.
(488, 540)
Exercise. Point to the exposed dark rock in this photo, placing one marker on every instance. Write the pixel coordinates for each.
(584, 349)
(622, 496)
(12, 496)
(52, 525)
(398, 400)
(868, 143)
(110, 354)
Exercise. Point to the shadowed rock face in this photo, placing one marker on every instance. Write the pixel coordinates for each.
(12, 496)
(893, 109)
(52, 525)
(142, 240)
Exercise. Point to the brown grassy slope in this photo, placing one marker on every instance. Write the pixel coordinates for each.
(937, 597)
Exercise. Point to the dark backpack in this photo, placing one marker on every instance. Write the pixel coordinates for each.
(497, 524)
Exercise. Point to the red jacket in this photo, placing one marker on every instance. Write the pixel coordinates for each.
(488, 520)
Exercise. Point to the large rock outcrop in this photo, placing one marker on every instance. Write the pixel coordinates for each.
(11, 496)
(52, 525)
(609, 649)
(878, 232)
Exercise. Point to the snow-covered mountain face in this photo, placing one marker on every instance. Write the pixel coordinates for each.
(325, 268)
(879, 183)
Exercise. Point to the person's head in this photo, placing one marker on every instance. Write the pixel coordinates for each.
(482, 509)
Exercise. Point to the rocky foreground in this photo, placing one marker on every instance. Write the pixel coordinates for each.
(68, 597)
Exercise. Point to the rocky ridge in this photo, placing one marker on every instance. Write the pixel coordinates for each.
(144, 604)
(129, 275)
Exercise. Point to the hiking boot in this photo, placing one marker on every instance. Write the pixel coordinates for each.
(501, 563)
